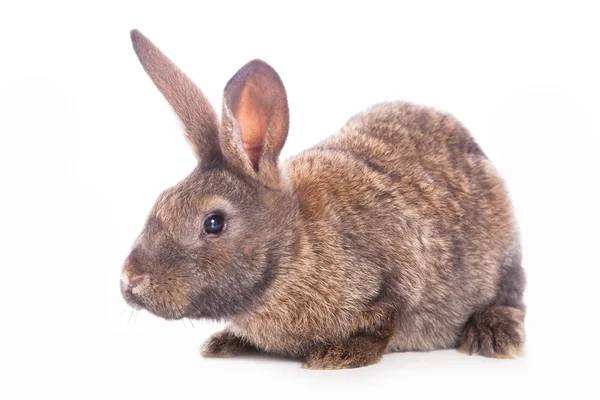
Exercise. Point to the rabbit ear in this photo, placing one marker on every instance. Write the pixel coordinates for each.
(255, 120)
(198, 117)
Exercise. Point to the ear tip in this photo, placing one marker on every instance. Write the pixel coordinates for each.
(136, 36)
(260, 67)
(258, 63)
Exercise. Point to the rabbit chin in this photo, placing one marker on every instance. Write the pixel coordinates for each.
(143, 301)
(204, 306)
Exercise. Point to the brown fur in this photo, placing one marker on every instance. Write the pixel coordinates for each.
(395, 234)
(495, 332)
(225, 344)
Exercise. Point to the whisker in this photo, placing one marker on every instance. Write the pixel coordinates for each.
(130, 315)
(191, 323)
(123, 312)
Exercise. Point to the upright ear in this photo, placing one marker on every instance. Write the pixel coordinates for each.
(255, 121)
(199, 119)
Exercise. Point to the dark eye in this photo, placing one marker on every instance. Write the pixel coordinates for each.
(214, 224)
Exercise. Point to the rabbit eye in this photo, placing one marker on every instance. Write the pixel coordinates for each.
(214, 224)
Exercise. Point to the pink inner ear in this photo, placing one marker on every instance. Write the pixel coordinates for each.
(252, 114)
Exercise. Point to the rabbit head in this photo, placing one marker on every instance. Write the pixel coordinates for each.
(211, 243)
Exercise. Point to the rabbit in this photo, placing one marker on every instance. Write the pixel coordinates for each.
(396, 234)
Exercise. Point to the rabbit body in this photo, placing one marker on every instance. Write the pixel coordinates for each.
(402, 213)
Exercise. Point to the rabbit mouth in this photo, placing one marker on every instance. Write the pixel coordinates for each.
(130, 298)
(145, 301)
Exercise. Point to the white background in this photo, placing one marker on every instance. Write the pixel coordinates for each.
(87, 143)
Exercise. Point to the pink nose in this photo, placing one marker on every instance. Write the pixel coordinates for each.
(131, 281)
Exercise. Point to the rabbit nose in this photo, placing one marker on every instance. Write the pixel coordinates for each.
(131, 281)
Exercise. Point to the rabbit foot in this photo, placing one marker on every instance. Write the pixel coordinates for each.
(356, 352)
(224, 344)
(496, 332)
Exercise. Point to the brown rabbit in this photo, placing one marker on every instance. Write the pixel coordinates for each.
(396, 234)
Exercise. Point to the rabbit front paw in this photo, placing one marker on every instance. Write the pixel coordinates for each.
(224, 344)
